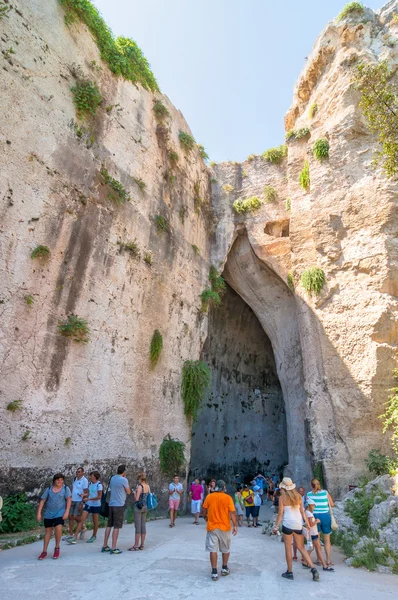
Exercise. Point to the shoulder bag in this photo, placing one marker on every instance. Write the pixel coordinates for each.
(104, 509)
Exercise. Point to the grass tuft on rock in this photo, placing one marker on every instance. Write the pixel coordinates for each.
(160, 110)
(14, 405)
(118, 194)
(313, 280)
(75, 328)
(304, 178)
(242, 206)
(313, 110)
(161, 223)
(186, 141)
(156, 347)
(41, 252)
(270, 193)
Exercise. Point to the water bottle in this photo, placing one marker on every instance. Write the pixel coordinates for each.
(310, 545)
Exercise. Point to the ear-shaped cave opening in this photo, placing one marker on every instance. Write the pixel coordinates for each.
(254, 415)
(242, 426)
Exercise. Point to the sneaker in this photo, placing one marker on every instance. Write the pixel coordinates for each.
(91, 540)
(43, 555)
(115, 551)
(305, 566)
(288, 575)
(105, 549)
(214, 576)
(72, 540)
(66, 538)
(315, 574)
(225, 571)
(56, 553)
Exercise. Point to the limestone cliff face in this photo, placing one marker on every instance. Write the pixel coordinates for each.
(336, 351)
(100, 402)
(97, 402)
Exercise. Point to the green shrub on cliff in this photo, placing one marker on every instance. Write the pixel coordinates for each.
(118, 194)
(321, 149)
(122, 55)
(171, 456)
(247, 205)
(160, 110)
(275, 155)
(350, 9)
(4, 10)
(390, 418)
(379, 104)
(196, 377)
(41, 252)
(186, 140)
(86, 97)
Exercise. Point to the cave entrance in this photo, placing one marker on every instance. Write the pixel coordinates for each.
(254, 415)
(242, 425)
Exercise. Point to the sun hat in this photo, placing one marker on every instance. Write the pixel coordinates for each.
(220, 485)
(287, 484)
(310, 502)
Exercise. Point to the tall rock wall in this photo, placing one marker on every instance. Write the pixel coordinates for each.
(346, 224)
(98, 402)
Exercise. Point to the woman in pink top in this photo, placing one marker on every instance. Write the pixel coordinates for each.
(196, 495)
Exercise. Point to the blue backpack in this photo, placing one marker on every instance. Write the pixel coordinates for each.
(151, 501)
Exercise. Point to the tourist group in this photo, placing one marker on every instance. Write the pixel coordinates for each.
(302, 515)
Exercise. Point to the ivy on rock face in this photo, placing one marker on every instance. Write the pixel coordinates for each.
(196, 378)
(156, 347)
(313, 280)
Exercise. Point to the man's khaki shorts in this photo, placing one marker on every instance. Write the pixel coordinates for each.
(218, 541)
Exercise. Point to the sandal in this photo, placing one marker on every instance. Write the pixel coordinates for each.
(133, 549)
(328, 568)
(330, 564)
(171, 525)
(140, 547)
(294, 557)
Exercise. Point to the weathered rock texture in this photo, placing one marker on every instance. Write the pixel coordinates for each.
(97, 403)
(242, 427)
(334, 353)
(101, 402)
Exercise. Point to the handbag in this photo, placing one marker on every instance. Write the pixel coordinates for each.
(249, 499)
(334, 525)
(139, 503)
(104, 509)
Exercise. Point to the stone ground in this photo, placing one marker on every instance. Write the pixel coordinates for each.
(175, 565)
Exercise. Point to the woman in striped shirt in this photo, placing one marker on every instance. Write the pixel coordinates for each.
(323, 502)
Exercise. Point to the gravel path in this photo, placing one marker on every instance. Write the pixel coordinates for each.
(175, 565)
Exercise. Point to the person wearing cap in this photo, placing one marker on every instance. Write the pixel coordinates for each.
(248, 500)
(291, 514)
(218, 511)
(313, 534)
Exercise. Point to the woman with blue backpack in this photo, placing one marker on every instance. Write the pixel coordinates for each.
(141, 494)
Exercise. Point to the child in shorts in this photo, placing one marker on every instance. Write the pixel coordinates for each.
(57, 500)
(314, 536)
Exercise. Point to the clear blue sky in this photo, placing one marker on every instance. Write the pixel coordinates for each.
(228, 65)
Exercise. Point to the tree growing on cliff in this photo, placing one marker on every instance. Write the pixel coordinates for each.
(379, 104)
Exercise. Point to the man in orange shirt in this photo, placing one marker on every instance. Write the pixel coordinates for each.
(218, 511)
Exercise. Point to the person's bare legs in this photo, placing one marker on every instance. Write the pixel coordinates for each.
(225, 557)
(299, 539)
(106, 536)
(96, 524)
(115, 535)
(328, 548)
(71, 521)
(58, 535)
(287, 540)
(81, 523)
(294, 550)
(213, 560)
(318, 550)
(47, 538)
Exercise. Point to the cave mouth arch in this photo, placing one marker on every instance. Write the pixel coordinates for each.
(271, 308)
(242, 425)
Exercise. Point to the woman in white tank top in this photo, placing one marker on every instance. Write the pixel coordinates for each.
(291, 514)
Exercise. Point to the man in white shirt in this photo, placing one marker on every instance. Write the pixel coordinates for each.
(79, 488)
(175, 491)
